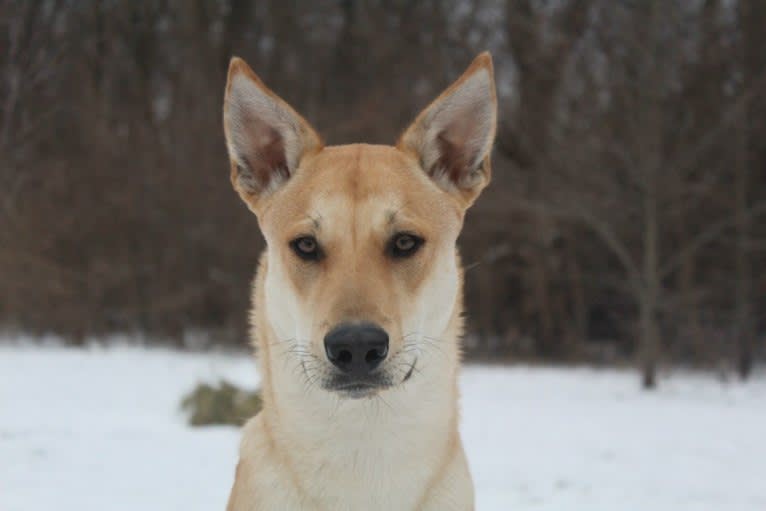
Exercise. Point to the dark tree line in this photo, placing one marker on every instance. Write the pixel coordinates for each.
(626, 217)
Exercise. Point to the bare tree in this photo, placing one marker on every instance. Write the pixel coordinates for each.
(623, 220)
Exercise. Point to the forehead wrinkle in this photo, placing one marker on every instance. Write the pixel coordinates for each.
(380, 170)
(391, 214)
(315, 219)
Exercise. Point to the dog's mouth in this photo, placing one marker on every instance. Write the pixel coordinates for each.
(368, 386)
(357, 388)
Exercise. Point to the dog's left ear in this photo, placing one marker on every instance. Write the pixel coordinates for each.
(452, 138)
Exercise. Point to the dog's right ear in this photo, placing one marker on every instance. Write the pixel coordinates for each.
(452, 138)
(265, 137)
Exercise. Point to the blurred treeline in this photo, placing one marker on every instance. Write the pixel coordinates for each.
(626, 216)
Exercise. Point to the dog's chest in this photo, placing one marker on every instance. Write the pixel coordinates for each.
(368, 477)
(376, 464)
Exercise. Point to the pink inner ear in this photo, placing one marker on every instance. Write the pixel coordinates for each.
(453, 159)
(268, 161)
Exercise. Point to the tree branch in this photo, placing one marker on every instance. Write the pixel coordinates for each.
(706, 236)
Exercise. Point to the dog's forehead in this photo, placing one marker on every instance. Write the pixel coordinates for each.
(362, 170)
(373, 183)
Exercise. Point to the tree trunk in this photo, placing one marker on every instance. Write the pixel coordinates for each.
(649, 330)
(650, 345)
(690, 313)
(743, 325)
(545, 341)
(753, 59)
(579, 303)
(651, 151)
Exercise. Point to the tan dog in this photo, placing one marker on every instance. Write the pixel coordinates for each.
(357, 301)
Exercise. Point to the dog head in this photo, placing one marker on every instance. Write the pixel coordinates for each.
(362, 272)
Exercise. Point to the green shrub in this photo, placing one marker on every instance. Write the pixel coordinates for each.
(222, 404)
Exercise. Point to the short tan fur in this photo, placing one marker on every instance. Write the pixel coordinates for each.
(357, 235)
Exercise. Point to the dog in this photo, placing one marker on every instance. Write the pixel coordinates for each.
(357, 301)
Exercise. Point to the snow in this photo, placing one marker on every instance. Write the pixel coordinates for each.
(100, 428)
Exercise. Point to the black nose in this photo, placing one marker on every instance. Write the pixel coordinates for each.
(356, 349)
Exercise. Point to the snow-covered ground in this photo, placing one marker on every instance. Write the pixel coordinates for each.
(100, 429)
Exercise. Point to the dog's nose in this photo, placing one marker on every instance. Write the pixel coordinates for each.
(356, 349)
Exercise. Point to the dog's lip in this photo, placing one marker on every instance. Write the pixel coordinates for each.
(360, 387)
(366, 386)
(357, 389)
(357, 385)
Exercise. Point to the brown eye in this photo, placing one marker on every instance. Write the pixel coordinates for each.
(307, 248)
(404, 245)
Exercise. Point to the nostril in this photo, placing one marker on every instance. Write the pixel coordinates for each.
(344, 357)
(375, 355)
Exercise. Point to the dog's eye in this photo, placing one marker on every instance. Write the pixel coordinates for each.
(404, 245)
(307, 248)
